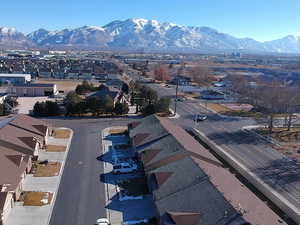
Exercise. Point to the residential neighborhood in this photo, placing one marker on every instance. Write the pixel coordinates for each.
(149, 122)
(23, 141)
(127, 149)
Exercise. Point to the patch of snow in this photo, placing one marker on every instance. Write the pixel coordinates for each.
(7, 30)
(126, 197)
(132, 222)
(44, 201)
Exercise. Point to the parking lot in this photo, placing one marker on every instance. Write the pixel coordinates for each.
(26, 103)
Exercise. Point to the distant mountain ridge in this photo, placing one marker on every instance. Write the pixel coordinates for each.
(146, 34)
(11, 38)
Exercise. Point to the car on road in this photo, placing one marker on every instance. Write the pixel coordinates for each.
(102, 221)
(200, 117)
(125, 167)
(180, 99)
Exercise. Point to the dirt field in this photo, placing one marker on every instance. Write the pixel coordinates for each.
(62, 85)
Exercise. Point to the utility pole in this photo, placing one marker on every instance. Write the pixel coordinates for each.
(176, 96)
(180, 70)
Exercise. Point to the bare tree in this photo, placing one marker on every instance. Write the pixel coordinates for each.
(161, 73)
(200, 75)
(270, 97)
(290, 104)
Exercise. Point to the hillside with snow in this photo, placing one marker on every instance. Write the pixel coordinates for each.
(11, 38)
(146, 34)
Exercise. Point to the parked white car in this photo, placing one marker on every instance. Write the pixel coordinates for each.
(102, 221)
(123, 160)
(124, 167)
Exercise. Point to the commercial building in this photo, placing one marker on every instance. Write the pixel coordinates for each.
(15, 78)
(33, 90)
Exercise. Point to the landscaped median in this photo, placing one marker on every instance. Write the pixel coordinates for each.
(240, 110)
(36, 198)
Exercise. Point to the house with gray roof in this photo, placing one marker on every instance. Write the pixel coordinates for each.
(146, 131)
(114, 93)
(190, 185)
(21, 138)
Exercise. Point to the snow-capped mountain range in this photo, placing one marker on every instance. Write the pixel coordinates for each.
(146, 34)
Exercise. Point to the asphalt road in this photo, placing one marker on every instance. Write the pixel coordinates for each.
(81, 196)
(277, 170)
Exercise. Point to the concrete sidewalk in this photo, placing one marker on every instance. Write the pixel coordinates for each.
(40, 215)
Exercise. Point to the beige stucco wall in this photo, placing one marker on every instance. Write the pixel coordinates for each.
(9, 203)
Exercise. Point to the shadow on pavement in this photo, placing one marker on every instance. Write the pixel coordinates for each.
(217, 118)
(92, 117)
(111, 178)
(238, 137)
(281, 173)
(133, 209)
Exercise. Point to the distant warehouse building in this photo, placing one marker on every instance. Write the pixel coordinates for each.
(33, 90)
(14, 78)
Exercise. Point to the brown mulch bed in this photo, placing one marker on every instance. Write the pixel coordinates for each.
(118, 131)
(55, 148)
(47, 170)
(35, 198)
(61, 133)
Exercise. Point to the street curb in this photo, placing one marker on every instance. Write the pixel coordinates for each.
(250, 129)
(173, 116)
(214, 111)
(103, 151)
(60, 172)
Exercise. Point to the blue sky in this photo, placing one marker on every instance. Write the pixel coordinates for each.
(259, 19)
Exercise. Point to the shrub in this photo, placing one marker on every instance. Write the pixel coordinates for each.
(47, 108)
(121, 108)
